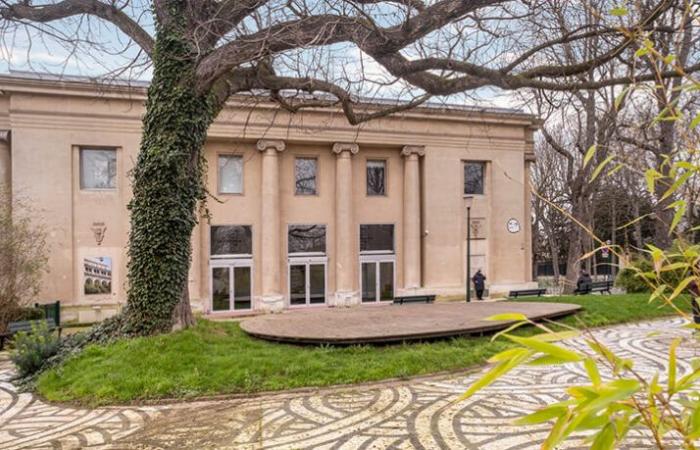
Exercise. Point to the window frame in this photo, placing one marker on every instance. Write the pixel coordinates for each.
(483, 165)
(377, 252)
(81, 172)
(235, 256)
(316, 170)
(385, 162)
(219, 178)
(308, 254)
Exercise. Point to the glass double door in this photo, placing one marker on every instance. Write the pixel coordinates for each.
(377, 280)
(231, 287)
(307, 282)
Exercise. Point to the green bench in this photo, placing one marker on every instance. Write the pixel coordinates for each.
(400, 300)
(527, 293)
(52, 319)
(596, 286)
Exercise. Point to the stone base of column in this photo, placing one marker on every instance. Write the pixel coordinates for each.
(271, 303)
(346, 299)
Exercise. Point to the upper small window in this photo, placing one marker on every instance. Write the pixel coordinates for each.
(231, 240)
(230, 174)
(377, 238)
(305, 176)
(306, 239)
(474, 178)
(376, 175)
(98, 169)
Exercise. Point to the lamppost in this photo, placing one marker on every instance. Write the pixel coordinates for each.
(468, 203)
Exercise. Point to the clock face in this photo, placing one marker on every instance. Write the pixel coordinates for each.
(513, 225)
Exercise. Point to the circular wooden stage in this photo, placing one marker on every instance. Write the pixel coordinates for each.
(393, 323)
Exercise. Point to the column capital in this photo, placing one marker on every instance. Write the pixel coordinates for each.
(264, 144)
(5, 136)
(340, 147)
(409, 150)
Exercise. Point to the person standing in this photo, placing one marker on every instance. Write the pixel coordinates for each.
(479, 282)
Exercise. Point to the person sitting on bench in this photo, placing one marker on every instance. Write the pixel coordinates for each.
(583, 284)
(479, 279)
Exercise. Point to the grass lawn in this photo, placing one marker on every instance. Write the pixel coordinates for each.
(218, 358)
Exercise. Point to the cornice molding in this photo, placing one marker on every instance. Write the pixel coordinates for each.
(264, 144)
(409, 150)
(340, 147)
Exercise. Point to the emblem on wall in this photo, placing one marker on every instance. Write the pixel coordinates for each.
(98, 230)
(478, 228)
(513, 225)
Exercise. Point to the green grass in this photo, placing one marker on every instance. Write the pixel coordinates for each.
(219, 358)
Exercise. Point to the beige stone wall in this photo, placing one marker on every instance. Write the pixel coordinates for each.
(50, 122)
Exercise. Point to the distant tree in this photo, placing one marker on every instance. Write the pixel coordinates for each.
(23, 256)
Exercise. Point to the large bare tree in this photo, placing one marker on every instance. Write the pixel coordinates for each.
(204, 51)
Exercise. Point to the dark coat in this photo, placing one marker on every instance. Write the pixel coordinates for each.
(479, 280)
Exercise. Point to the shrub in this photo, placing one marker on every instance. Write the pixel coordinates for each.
(630, 280)
(32, 349)
(633, 281)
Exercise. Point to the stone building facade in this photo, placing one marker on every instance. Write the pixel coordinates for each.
(307, 210)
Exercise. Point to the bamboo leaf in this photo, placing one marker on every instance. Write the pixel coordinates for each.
(605, 439)
(600, 167)
(680, 287)
(618, 11)
(546, 347)
(589, 154)
(495, 373)
(592, 370)
(507, 316)
(680, 207)
(543, 415)
(672, 366)
(695, 122)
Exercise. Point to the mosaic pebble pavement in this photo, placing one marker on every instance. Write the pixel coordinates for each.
(419, 414)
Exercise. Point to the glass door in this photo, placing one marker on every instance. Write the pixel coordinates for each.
(377, 280)
(307, 282)
(231, 286)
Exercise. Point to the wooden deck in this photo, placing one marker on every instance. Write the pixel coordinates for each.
(393, 323)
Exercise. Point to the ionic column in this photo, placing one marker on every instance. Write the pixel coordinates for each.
(271, 257)
(5, 163)
(411, 216)
(345, 262)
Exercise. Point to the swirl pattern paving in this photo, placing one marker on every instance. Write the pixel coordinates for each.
(416, 414)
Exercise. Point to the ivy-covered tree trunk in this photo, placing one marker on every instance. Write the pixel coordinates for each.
(167, 186)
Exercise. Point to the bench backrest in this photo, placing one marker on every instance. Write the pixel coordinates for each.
(51, 311)
(27, 325)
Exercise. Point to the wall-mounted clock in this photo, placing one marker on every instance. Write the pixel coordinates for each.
(513, 225)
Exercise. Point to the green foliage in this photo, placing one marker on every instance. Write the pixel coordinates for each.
(630, 280)
(23, 256)
(174, 365)
(32, 349)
